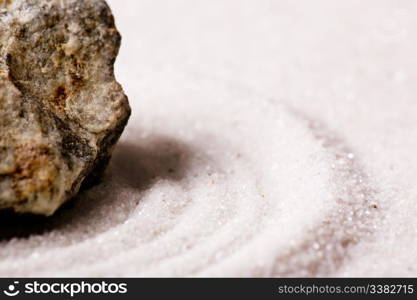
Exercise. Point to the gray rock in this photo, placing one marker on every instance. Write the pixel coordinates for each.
(61, 110)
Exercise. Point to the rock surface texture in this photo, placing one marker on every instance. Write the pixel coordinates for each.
(61, 110)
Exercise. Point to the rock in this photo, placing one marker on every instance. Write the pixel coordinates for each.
(61, 110)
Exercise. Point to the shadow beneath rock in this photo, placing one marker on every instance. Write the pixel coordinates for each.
(140, 165)
(134, 168)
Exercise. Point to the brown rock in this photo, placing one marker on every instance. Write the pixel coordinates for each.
(61, 110)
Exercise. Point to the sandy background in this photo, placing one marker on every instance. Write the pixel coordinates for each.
(268, 138)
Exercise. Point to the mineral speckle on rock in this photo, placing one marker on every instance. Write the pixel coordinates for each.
(61, 110)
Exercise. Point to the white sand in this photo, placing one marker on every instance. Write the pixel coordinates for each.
(268, 138)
